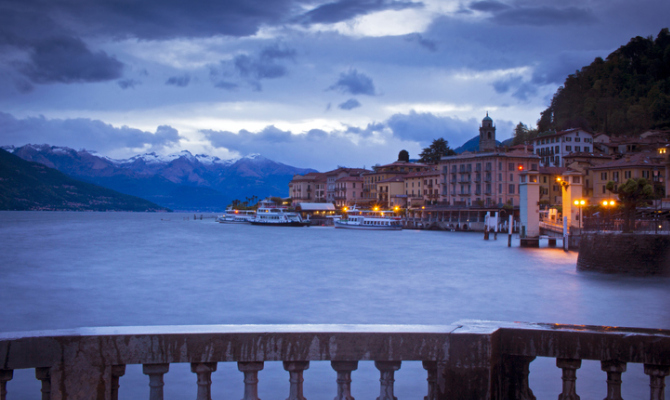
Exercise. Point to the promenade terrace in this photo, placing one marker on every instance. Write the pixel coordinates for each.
(466, 360)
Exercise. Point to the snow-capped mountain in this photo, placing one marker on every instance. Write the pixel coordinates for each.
(181, 181)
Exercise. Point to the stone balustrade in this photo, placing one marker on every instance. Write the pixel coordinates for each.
(466, 360)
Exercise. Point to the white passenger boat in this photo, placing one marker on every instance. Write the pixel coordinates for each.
(277, 216)
(369, 220)
(236, 216)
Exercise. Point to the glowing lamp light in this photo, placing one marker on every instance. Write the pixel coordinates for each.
(344, 209)
(612, 202)
(558, 179)
(605, 203)
(376, 208)
(520, 167)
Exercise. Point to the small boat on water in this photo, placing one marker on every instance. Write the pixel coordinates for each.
(369, 220)
(236, 216)
(277, 216)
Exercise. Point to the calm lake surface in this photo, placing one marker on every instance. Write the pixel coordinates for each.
(64, 270)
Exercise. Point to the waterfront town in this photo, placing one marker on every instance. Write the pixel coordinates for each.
(457, 191)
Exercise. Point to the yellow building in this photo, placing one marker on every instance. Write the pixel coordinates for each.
(648, 165)
(422, 188)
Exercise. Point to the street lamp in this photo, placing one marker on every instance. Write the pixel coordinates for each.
(608, 204)
(580, 204)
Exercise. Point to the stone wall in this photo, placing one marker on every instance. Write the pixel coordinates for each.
(639, 254)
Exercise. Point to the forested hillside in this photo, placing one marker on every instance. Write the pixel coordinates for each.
(629, 92)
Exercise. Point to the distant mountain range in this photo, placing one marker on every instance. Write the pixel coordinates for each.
(33, 186)
(179, 181)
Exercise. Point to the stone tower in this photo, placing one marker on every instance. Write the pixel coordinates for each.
(487, 134)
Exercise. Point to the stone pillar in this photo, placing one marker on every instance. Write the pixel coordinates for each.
(614, 369)
(44, 375)
(204, 373)
(156, 372)
(515, 370)
(250, 370)
(657, 374)
(344, 369)
(387, 370)
(529, 209)
(5, 376)
(571, 184)
(117, 372)
(296, 369)
(431, 367)
(570, 367)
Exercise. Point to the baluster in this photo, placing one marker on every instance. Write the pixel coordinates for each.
(155, 372)
(614, 369)
(295, 370)
(657, 374)
(515, 377)
(117, 372)
(44, 374)
(570, 367)
(431, 367)
(250, 370)
(204, 372)
(5, 376)
(344, 369)
(387, 369)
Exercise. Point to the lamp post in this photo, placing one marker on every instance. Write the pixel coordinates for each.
(608, 204)
(580, 205)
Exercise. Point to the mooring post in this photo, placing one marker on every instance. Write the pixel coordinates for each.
(509, 230)
(565, 233)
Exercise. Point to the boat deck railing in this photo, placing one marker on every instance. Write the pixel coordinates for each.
(466, 360)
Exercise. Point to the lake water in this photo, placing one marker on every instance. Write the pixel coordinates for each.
(64, 270)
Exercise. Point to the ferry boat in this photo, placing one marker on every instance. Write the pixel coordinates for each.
(236, 216)
(277, 216)
(369, 220)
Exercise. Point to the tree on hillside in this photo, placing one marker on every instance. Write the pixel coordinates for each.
(523, 135)
(403, 156)
(628, 92)
(636, 192)
(438, 149)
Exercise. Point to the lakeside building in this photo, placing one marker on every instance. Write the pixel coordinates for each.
(422, 188)
(348, 191)
(553, 147)
(391, 192)
(319, 187)
(308, 188)
(384, 172)
(648, 165)
(485, 178)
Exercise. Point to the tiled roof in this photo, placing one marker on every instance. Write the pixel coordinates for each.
(432, 172)
(393, 179)
(634, 160)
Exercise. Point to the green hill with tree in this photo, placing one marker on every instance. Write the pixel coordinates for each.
(28, 185)
(629, 92)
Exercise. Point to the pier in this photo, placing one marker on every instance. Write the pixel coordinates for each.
(464, 360)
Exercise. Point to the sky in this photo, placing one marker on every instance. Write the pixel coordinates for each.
(309, 83)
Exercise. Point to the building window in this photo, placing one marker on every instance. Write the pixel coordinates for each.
(604, 189)
(615, 176)
(576, 139)
(557, 149)
(577, 149)
(511, 166)
(603, 176)
(587, 149)
(557, 160)
(626, 174)
(568, 148)
(511, 177)
(511, 189)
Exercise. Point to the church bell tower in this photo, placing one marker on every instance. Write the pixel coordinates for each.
(487, 134)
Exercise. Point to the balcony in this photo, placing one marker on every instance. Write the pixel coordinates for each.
(474, 359)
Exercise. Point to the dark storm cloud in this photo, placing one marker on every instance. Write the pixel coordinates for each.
(488, 5)
(68, 60)
(423, 42)
(538, 15)
(368, 131)
(81, 132)
(343, 10)
(354, 82)
(128, 83)
(179, 81)
(425, 127)
(349, 104)
(253, 68)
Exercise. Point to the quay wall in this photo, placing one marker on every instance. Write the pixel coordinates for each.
(625, 253)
